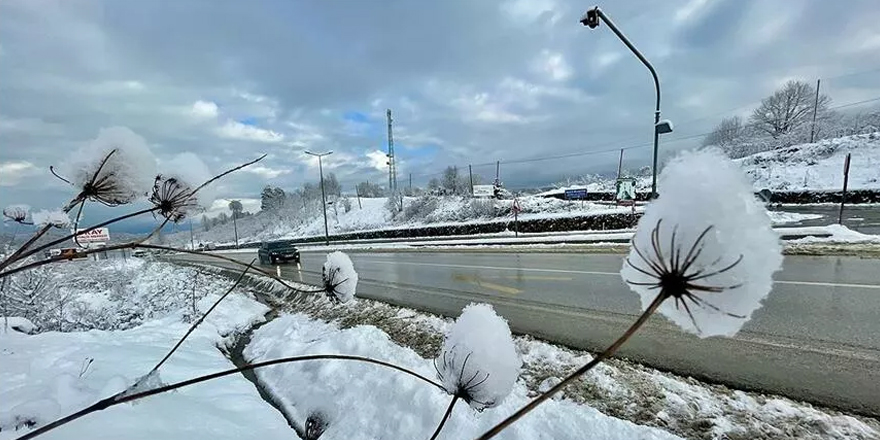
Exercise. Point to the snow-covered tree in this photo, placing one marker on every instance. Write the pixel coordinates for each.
(787, 108)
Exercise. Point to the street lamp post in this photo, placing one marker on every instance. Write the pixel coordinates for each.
(323, 196)
(591, 19)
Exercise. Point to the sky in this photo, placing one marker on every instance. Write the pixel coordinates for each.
(469, 82)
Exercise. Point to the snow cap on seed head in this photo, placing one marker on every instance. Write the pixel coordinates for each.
(17, 213)
(706, 242)
(478, 361)
(57, 218)
(116, 168)
(340, 278)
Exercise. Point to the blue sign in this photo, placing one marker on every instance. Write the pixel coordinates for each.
(576, 194)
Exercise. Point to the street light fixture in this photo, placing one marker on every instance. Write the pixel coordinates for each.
(592, 19)
(323, 196)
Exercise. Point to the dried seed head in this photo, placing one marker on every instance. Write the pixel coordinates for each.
(478, 362)
(17, 213)
(57, 218)
(707, 244)
(339, 277)
(173, 198)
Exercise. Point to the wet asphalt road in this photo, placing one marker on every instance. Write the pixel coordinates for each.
(817, 338)
(862, 218)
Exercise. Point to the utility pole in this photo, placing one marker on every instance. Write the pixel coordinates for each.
(815, 108)
(410, 184)
(471, 174)
(192, 242)
(498, 172)
(235, 227)
(323, 195)
(620, 164)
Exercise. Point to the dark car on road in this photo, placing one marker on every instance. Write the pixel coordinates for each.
(280, 251)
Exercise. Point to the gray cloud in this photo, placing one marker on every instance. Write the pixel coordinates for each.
(469, 82)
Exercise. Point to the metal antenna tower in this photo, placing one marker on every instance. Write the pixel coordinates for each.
(392, 167)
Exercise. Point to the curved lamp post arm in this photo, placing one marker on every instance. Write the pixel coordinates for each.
(592, 19)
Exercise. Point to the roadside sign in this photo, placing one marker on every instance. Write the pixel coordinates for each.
(487, 191)
(576, 194)
(625, 191)
(516, 208)
(97, 235)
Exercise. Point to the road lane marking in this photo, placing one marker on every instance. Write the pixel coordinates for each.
(587, 272)
(472, 279)
(822, 284)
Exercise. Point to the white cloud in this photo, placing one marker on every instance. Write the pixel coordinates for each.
(687, 11)
(607, 59)
(204, 110)
(266, 172)
(378, 160)
(12, 172)
(237, 130)
(554, 65)
(527, 11)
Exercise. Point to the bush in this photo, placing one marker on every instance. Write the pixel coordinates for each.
(420, 208)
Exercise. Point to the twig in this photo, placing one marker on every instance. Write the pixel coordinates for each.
(445, 418)
(84, 231)
(116, 400)
(202, 318)
(580, 371)
(15, 255)
(129, 245)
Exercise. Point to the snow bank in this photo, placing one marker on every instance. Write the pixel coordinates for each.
(340, 278)
(706, 199)
(19, 324)
(478, 361)
(53, 374)
(839, 234)
(362, 401)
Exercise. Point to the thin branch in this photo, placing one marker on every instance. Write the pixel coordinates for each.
(202, 318)
(445, 418)
(116, 399)
(87, 230)
(129, 245)
(571, 377)
(15, 255)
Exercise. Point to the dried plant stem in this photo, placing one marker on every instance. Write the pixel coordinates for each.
(580, 371)
(445, 418)
(195, 324)
(117, 399)
(130, 245)
(84, 231)
(16, 255)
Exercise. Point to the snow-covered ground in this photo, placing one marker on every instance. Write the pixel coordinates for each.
(54, 373)
(623, 390)
(817, 166)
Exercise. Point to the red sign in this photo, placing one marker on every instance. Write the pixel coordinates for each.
(516, 207)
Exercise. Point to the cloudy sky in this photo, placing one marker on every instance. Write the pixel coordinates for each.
(468, 81)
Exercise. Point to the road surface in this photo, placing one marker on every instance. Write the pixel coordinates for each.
(817, 338)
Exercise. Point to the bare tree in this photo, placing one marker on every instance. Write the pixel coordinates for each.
(788, 108)
(725, 134)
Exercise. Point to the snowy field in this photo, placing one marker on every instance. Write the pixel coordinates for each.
(53, 373)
